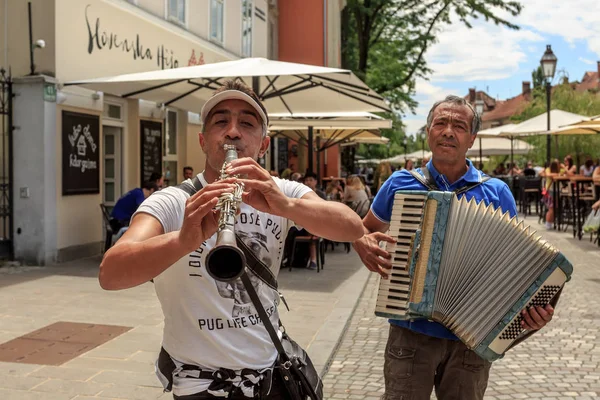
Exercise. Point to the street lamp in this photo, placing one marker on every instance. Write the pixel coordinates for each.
(479, 110)
(548, 62)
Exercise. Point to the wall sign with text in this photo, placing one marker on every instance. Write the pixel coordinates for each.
(151, 148)
(80, 153)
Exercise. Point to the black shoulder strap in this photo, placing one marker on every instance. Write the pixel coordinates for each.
(471, 185)
(284, 359)
(252, 262)
(425, 179)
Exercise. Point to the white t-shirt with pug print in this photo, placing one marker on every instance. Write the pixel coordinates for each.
(209, 323)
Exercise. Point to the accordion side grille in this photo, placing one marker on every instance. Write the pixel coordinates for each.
(543, 297)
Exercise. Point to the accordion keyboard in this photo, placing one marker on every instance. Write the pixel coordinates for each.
(394, 292)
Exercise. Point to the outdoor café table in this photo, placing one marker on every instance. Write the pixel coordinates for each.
(578, 182)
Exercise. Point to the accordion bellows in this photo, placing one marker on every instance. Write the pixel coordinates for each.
(468, 266)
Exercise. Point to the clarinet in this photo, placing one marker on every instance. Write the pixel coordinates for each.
(225, 261)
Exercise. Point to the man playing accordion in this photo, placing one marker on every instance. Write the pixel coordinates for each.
(421, 355)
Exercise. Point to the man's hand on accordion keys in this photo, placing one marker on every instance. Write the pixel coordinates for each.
(372, 255)
(536, 317)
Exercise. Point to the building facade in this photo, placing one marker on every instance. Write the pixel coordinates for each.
(309, 33)
(74, 149)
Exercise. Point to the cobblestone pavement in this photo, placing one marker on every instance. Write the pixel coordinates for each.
(561, 362)
(123, 368)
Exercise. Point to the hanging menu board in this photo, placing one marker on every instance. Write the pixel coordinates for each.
(151, 148)
(80, 153)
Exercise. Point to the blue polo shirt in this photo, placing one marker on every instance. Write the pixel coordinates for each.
(128, 204)
(493, 191)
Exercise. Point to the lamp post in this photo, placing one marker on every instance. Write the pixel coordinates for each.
(479, 110)
(548, 63)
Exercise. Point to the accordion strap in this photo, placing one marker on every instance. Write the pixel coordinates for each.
(427, 180)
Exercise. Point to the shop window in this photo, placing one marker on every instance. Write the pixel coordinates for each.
(176, 11)
(170, 149)
(217, 9)
(247, 28)
(112, 111)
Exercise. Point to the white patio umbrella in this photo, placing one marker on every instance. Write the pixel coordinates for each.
(283, 87)
(415, 155)
(539, 125)
(499, 146)
(331, 129)
(491, 133)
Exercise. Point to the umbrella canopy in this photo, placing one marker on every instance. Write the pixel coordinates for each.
(415, 155)
(539, 125)
(337, 120)
(499, 147)
(589, 128)
(331, 137)
(495, 131)
(366, 140)
(283, 87)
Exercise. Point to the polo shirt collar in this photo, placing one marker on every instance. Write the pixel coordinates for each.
(472, 175)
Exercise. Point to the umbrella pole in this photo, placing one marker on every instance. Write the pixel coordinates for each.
(310, 149)
(512, 162)
(319, 160)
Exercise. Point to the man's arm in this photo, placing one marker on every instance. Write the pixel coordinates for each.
(145, 250)
(328, 219)
(141, 254)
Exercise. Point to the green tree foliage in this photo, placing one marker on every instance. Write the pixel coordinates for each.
(537, 79)
(384, 42)
(565, 98)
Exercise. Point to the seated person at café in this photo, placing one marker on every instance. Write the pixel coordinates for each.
(334, 191)
(500, 170)
(157, 178)
(355, 196)
(529, 172)
(587, 169)
(128, 204)
(310, 180)
(569, 166)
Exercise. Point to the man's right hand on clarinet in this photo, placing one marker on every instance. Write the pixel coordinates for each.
(201, 220)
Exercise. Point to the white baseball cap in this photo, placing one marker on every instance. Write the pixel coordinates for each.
(232, 95)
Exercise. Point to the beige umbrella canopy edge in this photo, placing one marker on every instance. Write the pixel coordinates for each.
(283, 87)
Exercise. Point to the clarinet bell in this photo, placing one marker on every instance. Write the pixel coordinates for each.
(225, 262)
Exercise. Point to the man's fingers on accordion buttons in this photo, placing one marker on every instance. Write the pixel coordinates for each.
(546, 316)
(537, 321)
(382, 236)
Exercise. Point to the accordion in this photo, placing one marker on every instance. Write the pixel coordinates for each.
(469, 267)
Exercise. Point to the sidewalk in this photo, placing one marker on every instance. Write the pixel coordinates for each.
(561, 362)
(33, 297)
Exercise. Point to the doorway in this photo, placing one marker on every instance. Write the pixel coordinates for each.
(111, 165)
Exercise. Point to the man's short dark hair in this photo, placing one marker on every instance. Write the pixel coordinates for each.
(155, 176)
(311, 175)
(188, 168)
(150, 185)
(458, 101)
